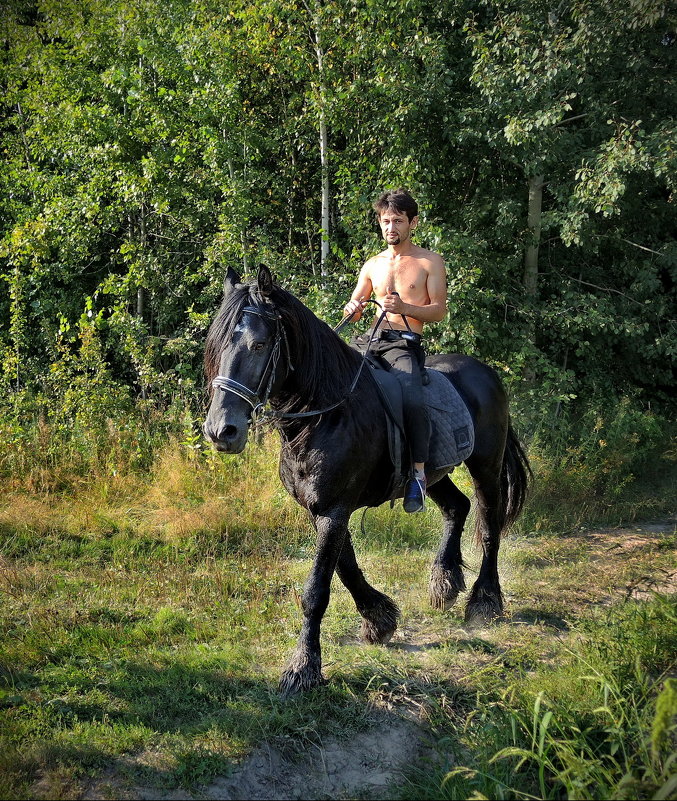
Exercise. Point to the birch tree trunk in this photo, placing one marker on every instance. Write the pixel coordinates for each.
(243, 233)
(324, 167)
(324, 149)
(141, 292)
(534, 226)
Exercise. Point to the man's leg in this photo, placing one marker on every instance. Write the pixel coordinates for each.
(405, 365)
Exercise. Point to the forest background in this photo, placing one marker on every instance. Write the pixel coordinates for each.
(148, 145)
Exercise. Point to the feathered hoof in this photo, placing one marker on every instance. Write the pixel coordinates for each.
(483, 608)
(303, 672)
(445, 585)
(379, 622)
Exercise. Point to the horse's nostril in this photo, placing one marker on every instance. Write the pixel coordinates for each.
(229, 432)
(223, 433)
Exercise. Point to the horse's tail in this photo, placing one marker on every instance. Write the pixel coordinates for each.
(516, 476)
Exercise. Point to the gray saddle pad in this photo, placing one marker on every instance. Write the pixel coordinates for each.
(452, 432)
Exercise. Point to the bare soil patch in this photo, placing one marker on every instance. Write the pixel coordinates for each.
(365, 766)
(621, 545)
(362, 767)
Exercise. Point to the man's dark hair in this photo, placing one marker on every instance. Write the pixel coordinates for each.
(399, 200)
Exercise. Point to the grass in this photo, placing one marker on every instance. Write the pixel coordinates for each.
(598, 720)
(147, 614)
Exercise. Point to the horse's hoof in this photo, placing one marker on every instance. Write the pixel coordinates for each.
(483, 608)
(379, 621)
(374, 636)
(303, 672)
(445, 586)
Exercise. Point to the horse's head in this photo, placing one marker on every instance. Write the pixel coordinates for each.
(243, 348)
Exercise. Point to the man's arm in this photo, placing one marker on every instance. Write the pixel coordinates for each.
(361, 293)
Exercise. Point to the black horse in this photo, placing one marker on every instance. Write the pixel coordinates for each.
(265, 346)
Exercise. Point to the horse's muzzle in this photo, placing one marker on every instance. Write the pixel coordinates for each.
(226, 437)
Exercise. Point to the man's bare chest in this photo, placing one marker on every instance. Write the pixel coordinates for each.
(405, 278)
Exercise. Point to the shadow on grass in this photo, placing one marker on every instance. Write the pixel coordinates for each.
(539, 616)
(172, 724)
(414, 647)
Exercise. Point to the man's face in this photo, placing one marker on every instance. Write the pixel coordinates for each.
(395, 226)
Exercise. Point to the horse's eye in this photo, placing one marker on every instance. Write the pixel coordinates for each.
(259, 345)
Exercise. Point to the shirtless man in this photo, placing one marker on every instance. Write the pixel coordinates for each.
(408, 281)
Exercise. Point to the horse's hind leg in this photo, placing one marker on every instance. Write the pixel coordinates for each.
(486, 599)
(379, 613)
(446, 578)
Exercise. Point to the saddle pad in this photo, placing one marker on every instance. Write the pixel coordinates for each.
(452, 432)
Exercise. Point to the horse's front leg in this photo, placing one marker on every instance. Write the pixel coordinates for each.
(304, 669)
(379, 613)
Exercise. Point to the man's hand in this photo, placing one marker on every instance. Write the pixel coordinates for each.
(355, 307)
(393, 303)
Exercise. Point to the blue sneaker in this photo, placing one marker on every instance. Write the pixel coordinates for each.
(414, 495)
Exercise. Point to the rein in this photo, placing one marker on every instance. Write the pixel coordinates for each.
(257, 399)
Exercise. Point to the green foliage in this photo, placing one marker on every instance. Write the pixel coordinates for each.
(148, 145)
(664, 723)
(611, 463)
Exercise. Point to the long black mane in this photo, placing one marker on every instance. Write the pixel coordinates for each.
(323, 365)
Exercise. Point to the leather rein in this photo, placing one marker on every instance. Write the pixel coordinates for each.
(258, 398)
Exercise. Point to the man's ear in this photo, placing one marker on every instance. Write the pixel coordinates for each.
(230, 280)
(264, 280)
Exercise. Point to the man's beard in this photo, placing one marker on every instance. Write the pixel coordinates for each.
(395, 241)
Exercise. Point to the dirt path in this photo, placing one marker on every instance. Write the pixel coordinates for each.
(363, 767)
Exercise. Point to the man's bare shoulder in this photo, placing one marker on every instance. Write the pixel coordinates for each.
(433, 259)
(374, 261)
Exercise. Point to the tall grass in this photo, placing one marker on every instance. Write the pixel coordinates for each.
(147, 472)
(611, 466)
(597, 721)
(611, 463)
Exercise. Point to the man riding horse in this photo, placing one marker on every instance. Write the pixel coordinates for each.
(410, 284)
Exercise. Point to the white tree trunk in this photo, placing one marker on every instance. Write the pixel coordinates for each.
(324, 166)
(141, 292)
(324, 148)
(243, 233)
(531, 256)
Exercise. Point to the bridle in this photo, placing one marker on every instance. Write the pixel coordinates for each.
(258, 398)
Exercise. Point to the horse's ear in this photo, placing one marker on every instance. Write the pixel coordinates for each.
(230, 280)
(264, 280)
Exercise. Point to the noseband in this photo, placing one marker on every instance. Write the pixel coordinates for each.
(258, 398)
